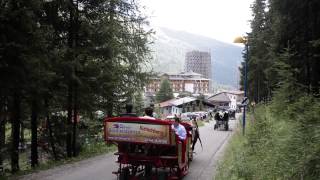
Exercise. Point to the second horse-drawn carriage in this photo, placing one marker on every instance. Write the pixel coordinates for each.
(149, 148)
(222, 120)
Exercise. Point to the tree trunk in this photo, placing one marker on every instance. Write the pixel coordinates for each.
(34, 134)
(15, 133)
(75, 114)
(109, 108)
(71, 45)
(2, 130)
(69, 123)
(51, 140)
(308, 73)
(22, 140)
(75, 102)
(2, 139)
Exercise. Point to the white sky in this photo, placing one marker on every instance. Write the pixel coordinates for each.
(220, 19)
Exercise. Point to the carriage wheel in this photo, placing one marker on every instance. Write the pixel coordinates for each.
(163, 176)
(124, 174)
(148, 170)
(182, 172)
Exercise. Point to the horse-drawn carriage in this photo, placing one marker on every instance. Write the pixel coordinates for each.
(148, 148)
(222, 120)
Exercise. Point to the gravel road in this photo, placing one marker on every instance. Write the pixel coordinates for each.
(99, 168)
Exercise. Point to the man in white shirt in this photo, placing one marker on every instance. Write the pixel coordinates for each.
(179, 129)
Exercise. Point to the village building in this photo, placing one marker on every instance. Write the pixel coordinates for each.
(178, 106)
(180, 82)
(227, 99)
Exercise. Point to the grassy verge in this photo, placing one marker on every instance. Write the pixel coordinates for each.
(200, 123)
(261, 152)
(230, 162)
(88, 151)
(282, 141)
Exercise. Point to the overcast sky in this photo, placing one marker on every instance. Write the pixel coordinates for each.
(220, 19)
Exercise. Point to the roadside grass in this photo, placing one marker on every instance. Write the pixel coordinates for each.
(258, 154)
(282, 141)
(200, 123)
(89, 150)
(228, 164)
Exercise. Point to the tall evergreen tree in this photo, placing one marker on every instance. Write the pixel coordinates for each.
(138, 103)
(83, 48)
(258, 61)
(165, 91)
(19, 24)
(296, 25)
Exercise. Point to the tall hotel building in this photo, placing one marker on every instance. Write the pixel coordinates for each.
(199, 62)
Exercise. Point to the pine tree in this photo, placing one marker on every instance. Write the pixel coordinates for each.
(96, 50)
(19, 57)
(257, 53)
(138, 103)
(297, 25)
(165, 91)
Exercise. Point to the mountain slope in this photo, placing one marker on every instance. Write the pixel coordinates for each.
(170, 47)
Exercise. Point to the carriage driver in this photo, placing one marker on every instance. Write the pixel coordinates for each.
(179, 129)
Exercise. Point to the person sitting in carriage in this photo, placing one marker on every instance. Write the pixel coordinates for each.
(179, 129)
(129, 112)
(148, 113)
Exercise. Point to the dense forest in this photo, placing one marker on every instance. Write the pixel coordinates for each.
(64, 64)
(282, 140)
(284, 48)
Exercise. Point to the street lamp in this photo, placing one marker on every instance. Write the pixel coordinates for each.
(244, 40)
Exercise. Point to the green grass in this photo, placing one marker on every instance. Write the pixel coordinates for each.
(229, 164)
(88, 151)
(282, 142)
(259, 153)
(200, 123)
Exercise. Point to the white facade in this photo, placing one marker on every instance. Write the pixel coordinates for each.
(233, 103)
(235, 97)
(189, 87)
(226, 99)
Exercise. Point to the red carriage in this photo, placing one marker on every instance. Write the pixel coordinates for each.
(148, 148)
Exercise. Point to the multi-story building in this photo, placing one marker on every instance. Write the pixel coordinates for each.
(199, 62)
(185, 81)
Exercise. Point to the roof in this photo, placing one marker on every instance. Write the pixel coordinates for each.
(183, 100)
(177, 102)
(166, 103)
(220, 97)
(190, 73)
(234, 92)
(208, 103)
(203, 79)
(176, 78)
